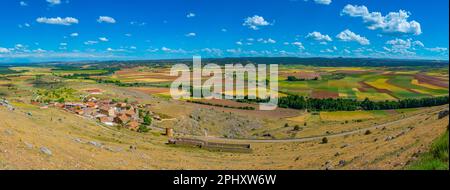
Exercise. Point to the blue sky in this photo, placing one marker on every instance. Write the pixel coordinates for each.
(53, 30)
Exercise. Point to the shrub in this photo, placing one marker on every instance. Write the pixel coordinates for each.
(324, 140)
(143, 129)
(147, 119)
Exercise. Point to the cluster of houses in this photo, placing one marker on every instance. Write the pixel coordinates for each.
(108, 112)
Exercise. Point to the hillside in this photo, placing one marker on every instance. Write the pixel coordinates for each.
(33, 138)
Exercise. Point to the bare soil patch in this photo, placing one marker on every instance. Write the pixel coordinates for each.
(422, 78)
(324, 94)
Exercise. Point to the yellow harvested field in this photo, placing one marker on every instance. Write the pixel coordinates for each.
(346, 115)
(243, 92)
(342, 84)
(374, 96)
(343, 95)
(430, 86)
(32, 70)
(333, 69)
(383, 84)
(151, 80)
(80, 80)
(301, 118)
(406, 72)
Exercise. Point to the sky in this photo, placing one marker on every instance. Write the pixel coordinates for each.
(72, 30)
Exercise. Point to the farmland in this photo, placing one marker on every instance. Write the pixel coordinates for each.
(360, 83)
(377, 84)
(289, 137)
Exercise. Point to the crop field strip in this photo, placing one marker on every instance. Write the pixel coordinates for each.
(359, 82)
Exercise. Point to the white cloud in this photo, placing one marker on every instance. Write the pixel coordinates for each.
(418, 43)
(323, 2)
(271, 41)
(74, 34)
(327, 51)
(103, 39)
(393, 22)
(168, 50)
(223, 30)
(152, 50)
(54, 2)
(437, 49)
(213, 51)
(403, 47)
(26, 25)
(348, 36)
(399, 51)
(255, 22)
(190, 15)
(42, 55)
(116, 50)
(408, 43)
(191, 34)
(128, 35)
(319, 37)
(4, 50)
(267, 41)
(106, 19)
(234, 51)
(63, 44)
(299, 45)
(39, 50)
(135, 23)
(90, 42)
(239, 43)
(23, 3)
(19, 46)
(58, 20)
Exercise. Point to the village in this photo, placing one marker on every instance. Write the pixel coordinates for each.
(130, 115)
(109, 112)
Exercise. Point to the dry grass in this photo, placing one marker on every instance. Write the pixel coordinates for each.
(348, 115)
(45, 129)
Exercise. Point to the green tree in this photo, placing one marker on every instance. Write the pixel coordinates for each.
(147, 120)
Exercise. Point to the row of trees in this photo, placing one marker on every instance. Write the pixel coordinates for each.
(313, 104)
(293, 78)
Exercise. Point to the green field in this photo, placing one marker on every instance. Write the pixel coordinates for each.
(377, 84)
(6, 70)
